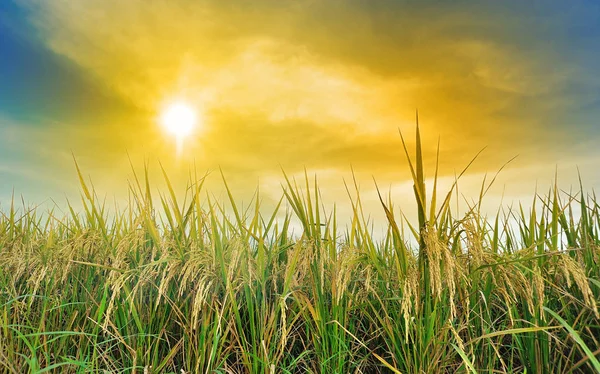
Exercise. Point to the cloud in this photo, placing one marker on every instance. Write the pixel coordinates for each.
(319, 84)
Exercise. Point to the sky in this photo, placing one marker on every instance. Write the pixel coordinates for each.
(318, 85)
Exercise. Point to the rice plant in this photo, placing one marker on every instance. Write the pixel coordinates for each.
(167, 285)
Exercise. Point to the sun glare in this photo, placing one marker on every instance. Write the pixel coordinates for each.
(179, 119)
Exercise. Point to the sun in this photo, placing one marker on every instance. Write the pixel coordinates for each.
(179, 119)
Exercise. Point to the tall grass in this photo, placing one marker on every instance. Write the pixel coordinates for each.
(166, 285)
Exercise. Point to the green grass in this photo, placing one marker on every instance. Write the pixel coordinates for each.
(180, 286)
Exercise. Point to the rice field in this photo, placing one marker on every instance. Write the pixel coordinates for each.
(167, 285)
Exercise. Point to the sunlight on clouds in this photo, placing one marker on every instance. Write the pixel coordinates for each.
(164, 48)
(312, 84)
(292, 86)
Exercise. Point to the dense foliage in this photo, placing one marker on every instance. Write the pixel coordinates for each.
(181, 286)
